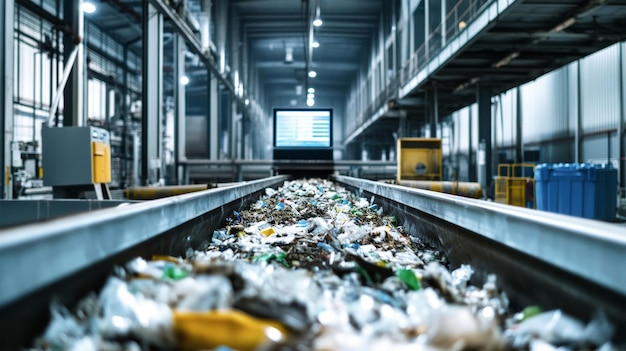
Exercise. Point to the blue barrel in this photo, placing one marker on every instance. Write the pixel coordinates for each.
(582, 190)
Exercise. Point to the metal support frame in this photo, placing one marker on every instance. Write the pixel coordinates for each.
(471, 160)
(483, 97)
(152, 71)
(579, 111)
(6, 96)
(213, 117)
(622, 118)
(193, 43)
(180, 114)
(519, 143)
(74, 98)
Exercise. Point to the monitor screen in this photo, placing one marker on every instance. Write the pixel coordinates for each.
(303, 128)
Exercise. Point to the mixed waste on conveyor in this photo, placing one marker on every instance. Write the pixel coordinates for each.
(310, 266)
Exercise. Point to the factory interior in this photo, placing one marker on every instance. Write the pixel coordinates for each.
(313, 174)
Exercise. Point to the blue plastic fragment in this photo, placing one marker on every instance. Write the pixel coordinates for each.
(325, 247)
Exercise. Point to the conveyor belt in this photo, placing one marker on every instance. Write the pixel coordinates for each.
(540, 258)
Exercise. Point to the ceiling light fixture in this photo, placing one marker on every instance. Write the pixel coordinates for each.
(88, 7)
(310, 102)
(184, 80)
(506, 60)
(288, 55)
(316, 44)
(310, 96)
(312, 74)
(311, 90)
(318, 20)
(564, 25)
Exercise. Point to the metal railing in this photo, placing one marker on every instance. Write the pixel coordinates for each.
(457, 19)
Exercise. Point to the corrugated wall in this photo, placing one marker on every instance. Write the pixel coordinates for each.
(546, 107)
(600, 100)
(550, 110)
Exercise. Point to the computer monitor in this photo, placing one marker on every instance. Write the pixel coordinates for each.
(303, 135)
(303, 128)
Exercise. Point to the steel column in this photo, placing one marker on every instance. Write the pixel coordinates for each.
(519, 143)
(180, 115)
(470, 156)
(152, 73)
(213, 117)
(6, 96)
(74, 97)
(622, 119)
(483, 97)
(579, 112)
(221, 33)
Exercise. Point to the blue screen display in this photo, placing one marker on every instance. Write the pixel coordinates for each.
(302, 128)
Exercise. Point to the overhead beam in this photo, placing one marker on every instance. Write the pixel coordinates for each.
(328, 66)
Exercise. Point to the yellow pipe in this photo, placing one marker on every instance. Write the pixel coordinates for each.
(466, 189)
(151, 193)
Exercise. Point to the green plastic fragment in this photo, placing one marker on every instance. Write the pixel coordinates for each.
(408, 277)
(531, 311)
(174, 273)
(356, 213)
(269, 257)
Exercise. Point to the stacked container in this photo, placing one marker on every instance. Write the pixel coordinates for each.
(582, 190)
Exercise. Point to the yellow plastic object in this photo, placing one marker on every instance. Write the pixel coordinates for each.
(101, 162)
(419, 159)
(235, 329)
(512, 188)
(165, 258)
(267, 231)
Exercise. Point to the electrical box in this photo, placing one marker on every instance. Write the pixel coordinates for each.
(419, 159)
(75, 156)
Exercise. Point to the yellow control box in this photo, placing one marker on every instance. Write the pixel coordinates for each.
(419, 159)
(101, 162)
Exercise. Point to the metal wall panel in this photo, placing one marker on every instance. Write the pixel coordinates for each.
(545, 108)
(600, 100)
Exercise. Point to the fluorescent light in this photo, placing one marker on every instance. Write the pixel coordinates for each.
(184, 80)
(88, 7)
(506, 60)
(311, 90)
(564, 25)
(316, 44)
(318, 20)
(312, 74)
(310, 96)
(310, 102)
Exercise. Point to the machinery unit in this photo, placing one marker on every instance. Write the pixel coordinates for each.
(419, 159)
(515, 184)
(76, 156)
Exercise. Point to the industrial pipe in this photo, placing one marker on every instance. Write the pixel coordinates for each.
(467, 189)
(151, 193)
